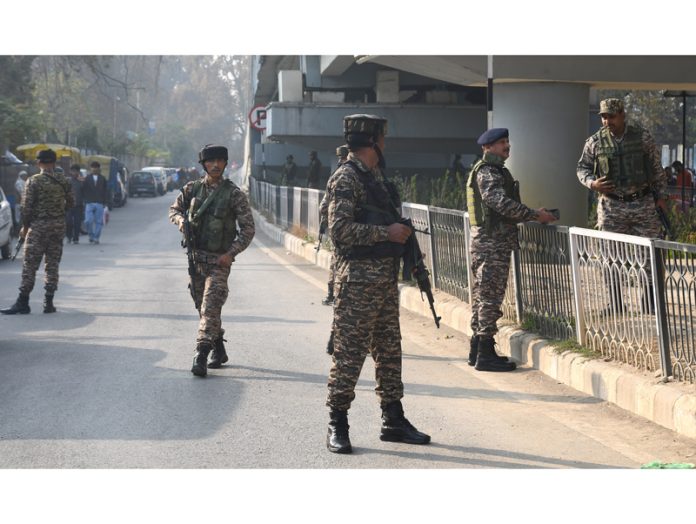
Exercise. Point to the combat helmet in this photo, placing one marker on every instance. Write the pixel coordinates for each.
(342, 151)
(212, 152)
(362, 124)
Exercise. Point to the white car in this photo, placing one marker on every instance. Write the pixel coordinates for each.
(5, 226)
(161, 176)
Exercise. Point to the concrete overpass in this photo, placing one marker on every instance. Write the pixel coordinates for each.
(436, 107)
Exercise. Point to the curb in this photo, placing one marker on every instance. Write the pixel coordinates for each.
(670, 405)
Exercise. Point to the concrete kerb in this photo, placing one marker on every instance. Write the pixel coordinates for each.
(639, 393)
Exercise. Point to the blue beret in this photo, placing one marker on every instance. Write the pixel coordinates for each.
(492, 135)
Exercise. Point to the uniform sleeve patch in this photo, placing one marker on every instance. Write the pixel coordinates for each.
(345, 194)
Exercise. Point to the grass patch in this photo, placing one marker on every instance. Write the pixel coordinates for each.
(561, 346)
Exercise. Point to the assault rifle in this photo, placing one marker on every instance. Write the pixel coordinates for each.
(18, 247)
(322, 231)
(415, 268)
(663, 217)
(188, 242)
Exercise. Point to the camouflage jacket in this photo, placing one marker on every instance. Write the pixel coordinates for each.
(346, 193)
(491, 186)
(47, 196)
(239, 205)
(586, 164)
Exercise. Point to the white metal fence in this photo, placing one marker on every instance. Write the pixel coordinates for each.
(631, 299)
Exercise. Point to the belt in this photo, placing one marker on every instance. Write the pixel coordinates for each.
(629, 197)
(202, 258)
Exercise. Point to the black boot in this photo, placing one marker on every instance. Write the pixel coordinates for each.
(219, 356)
(488, 359)
(48, 304)
(329, 297)
(200, 359)
(473, 351)
(21, 306)
(397, 428)
(337, 439)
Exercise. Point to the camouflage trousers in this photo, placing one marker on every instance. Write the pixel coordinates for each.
(211, 290)
(637, 218)
(44, 239)
(366, 320)
(490, 266)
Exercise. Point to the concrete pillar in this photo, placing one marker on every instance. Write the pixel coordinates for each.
(548, 125)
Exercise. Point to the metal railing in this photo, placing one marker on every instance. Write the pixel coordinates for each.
(631, 299)
(615, 290)
(676, 265)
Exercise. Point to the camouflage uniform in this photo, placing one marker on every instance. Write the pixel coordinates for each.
(492, 245)
(313, 172)
(210, 282)
(342, 154)
(324, 219)
(46, 197)
(289, 173)
(631, 218)
(366, 307)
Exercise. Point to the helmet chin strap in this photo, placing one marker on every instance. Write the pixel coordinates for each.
(382, 163)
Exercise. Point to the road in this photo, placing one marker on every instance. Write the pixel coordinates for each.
(106, 383)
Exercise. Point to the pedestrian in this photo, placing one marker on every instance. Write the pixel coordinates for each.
(342, 156)
(684, 184)
(495, 209)
(75, 214)
(369, 242)
(214, 207)
(95, 196)
(622, 164)
(46, 198)
(313, 170)
(289, 172)
(20, 184)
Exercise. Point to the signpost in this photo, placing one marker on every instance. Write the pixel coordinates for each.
(257, 118)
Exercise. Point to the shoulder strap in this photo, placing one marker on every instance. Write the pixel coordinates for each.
(211, 198)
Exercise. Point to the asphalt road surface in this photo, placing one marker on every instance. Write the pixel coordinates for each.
(105, 382)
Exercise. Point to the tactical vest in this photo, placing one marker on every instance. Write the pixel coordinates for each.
(479, 213)
(216, 227)
(379, 209)
(626, 163)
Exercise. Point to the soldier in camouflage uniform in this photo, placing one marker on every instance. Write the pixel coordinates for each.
(342, 154)
(313, 171)
(369, 241)
(494, 210)
(214, 207)
(622, 163)
(46, 197)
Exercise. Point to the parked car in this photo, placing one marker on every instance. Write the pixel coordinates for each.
(143, 183)
(5, 226)
(160, 176)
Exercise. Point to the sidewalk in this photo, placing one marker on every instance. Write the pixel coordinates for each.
(671, 405)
